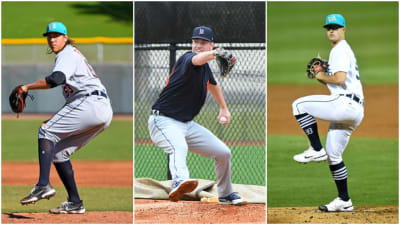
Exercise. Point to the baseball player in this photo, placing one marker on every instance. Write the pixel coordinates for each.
(343, 109)
(171, 124)
(86, 113)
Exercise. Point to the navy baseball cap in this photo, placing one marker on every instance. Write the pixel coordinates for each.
(204, 33)
(336, 19)
(56, 27)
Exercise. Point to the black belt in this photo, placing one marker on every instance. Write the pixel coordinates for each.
(157, 113)
(99, 93)
(354, 98)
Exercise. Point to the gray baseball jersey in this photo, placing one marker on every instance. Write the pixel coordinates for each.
(87, 111)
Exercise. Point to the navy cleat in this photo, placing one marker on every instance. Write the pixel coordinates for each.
(232, 199)
(38, 193)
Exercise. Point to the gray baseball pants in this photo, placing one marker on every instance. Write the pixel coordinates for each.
(177, 138)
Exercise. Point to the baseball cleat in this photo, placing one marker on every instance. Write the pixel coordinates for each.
(232, 199)
(180, 188)
(337, 205)
(69, 208)
(311, 155)
(37, 193)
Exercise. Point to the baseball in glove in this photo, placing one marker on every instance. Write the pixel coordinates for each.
(316, 65)
(17, 99)
(225, 61)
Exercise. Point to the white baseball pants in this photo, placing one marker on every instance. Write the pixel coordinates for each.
(343, 113)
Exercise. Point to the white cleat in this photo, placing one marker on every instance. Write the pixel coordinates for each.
(337, 205)
(310, 155)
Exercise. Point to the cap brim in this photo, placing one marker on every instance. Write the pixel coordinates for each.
(200, 37)
(45, 34)
(332, 24)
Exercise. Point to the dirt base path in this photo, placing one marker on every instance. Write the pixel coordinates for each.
(89, 217)
(360, 215)
(196, 212)
(381, 110)
(87, 173)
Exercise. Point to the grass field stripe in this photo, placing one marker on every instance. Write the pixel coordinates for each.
(91, 40)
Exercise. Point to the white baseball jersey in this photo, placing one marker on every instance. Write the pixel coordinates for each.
(79, 74)
(341, 58)
(343, 108)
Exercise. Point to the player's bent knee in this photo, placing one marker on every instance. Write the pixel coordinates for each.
(45, 134)
(296, 107)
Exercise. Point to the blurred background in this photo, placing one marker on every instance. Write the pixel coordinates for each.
(102, 31)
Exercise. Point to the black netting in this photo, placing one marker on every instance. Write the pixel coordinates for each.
(232, 22)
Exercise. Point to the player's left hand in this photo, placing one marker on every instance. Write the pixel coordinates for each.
(224, 113)
(315, 66)
(225, 60)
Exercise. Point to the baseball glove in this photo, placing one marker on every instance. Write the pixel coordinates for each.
(17, 99)
(316, 65)
(225, 61)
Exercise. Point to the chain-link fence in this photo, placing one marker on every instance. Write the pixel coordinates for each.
(243, 89)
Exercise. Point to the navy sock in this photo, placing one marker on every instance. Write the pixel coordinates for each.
(339, 173)
(46, 154)
(66, 174)
(309, 125)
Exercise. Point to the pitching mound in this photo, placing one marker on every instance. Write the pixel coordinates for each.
(360, 215)
(196, 212)
(89, 217)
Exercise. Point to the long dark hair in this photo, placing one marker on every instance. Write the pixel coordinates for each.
(68, 42)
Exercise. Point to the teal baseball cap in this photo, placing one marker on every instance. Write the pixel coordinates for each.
(335, 19)
(56, 27)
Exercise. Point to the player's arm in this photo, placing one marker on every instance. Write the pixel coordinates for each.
(337, 78)
(216, 92)
(203, 57)
(53, 80)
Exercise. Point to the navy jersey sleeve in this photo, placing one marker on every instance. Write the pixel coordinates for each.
(212, 79)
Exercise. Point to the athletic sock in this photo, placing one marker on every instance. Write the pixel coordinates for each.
(66, 174)
(339, 174)
(309, 125)
(46, 154)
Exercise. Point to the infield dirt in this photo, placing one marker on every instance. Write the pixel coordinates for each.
(91, 173)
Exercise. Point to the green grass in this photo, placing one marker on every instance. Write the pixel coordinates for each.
(248, 164)
(90, 195)
(19, 142)
(82, 19)
(295, 35)
(372, 165)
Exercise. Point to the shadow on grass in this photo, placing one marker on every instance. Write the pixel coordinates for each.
(119, 11)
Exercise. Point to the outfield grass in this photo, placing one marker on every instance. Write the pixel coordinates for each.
(112, 199)
(248, 164)
(83, 19)
(295, 35)
(19, 142)
(372, 165)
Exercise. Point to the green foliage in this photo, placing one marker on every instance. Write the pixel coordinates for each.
(372, 165)
(19, 142)
(295, 35)
(11, 195)
(83, 19)
(248, 164)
